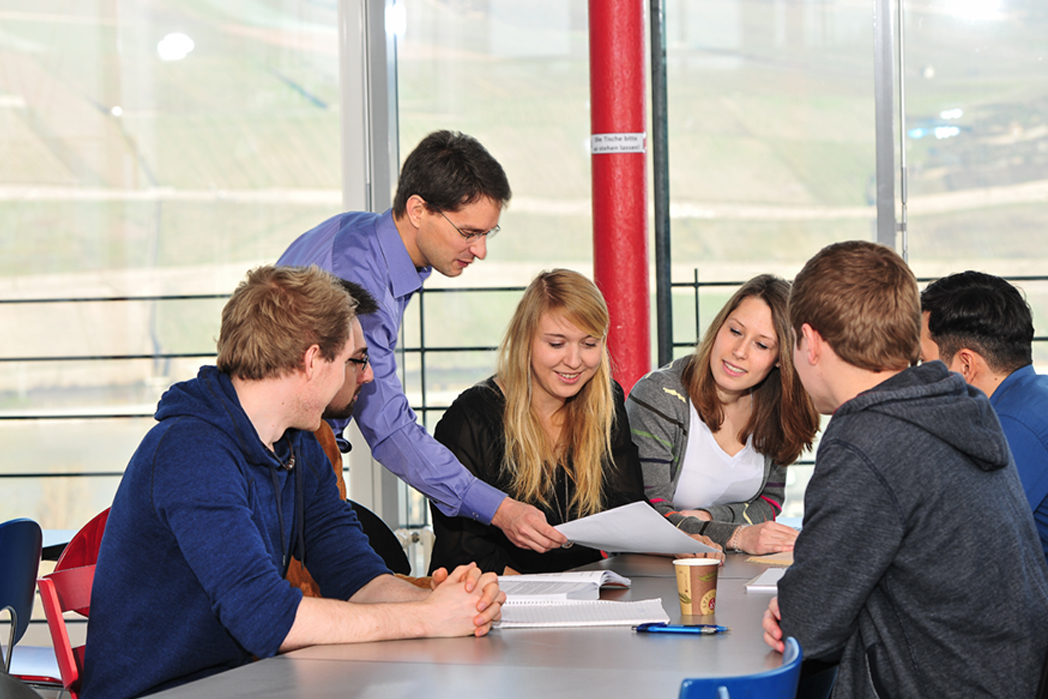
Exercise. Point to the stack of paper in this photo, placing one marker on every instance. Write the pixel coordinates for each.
(583, 584)
(571, 599)
(768, 581)
(522, 615)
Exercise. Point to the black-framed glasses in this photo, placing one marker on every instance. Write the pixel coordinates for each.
(362, 364)
(471, 236)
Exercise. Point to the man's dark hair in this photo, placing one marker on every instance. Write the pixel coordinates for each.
(983, 313)
(366, 303)
(450, 170)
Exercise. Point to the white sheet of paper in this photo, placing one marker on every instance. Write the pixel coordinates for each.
(632, 528)
(768, 581)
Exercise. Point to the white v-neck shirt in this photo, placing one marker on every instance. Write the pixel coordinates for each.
(709, 476)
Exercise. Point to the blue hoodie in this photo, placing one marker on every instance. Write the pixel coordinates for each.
(190, 576)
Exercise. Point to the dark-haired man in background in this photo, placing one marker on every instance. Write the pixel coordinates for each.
(981, 327)
(449, 197)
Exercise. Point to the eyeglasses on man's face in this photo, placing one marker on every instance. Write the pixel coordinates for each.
(470, 236)
(361, 364)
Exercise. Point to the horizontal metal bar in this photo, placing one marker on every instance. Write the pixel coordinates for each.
(98, 416)
(693, 284)
(106, 299)
(207, 297)
(111, 357)
(469, 289)
(70, 474)
(119, 357)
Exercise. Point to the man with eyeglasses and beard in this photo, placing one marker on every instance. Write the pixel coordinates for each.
(227, 486)
(449, 197)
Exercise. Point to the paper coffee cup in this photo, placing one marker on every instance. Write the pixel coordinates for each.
(697, 585)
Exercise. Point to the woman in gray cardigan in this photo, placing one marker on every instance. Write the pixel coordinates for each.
(716, 429)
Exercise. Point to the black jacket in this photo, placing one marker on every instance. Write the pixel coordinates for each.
(472, 429)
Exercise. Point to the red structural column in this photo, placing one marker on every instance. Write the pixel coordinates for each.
(620, 195)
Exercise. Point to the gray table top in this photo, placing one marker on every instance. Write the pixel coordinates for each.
(543, 663)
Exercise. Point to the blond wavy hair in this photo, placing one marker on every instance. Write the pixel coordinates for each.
(531, 458)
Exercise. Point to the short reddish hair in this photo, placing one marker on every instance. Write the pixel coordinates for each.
(276, 314)
(863, 300)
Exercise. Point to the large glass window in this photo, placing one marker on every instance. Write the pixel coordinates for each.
(771, 141)
(977, 142)
(155, 150)
(150, 148)
(771, 147)
(516, 76)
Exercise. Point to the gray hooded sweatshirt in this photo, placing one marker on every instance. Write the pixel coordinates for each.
(919, 566)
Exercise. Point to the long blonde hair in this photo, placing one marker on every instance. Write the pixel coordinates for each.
(783, 421)
(530, 457)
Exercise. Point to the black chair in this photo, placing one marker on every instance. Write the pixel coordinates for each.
(20, 545)
(383, 540)
(1042, 686)
(12, 688)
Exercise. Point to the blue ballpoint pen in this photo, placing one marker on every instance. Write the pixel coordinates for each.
(661, 627)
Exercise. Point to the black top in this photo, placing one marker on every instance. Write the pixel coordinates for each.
(472, 429)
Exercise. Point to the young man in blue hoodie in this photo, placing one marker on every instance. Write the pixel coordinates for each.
(918, 568)
(227, 487)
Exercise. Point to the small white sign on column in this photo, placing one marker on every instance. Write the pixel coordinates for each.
(617, 143)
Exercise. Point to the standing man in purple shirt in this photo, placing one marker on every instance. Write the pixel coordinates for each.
(449, 197)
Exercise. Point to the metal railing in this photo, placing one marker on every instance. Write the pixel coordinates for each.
(422, 350)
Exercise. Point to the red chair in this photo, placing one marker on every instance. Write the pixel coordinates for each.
(63, 591)
(82, 550)
(39, 665)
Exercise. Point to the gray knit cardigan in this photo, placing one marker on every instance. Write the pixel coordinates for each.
(659, 410)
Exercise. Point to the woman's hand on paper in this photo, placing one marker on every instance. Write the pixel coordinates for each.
(766, 537)
(697, 514)
(718, 554)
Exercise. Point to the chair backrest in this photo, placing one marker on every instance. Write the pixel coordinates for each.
(780, 683)
(63, 591)
(383, 540)
(1042, 686)
(21, 542)
(12, 688)
(82, 549)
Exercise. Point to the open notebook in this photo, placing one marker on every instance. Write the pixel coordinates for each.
(571, 599)
(577, 613)
(571, 585)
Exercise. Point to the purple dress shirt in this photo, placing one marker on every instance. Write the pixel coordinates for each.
(365, 248)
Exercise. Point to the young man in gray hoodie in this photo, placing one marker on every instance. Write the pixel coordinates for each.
(919, 568)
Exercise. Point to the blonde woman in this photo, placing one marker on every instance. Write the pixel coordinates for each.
(716, 429)
(550, 428)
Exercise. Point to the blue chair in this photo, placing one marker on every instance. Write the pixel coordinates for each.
(21, 542)
(780, 683)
